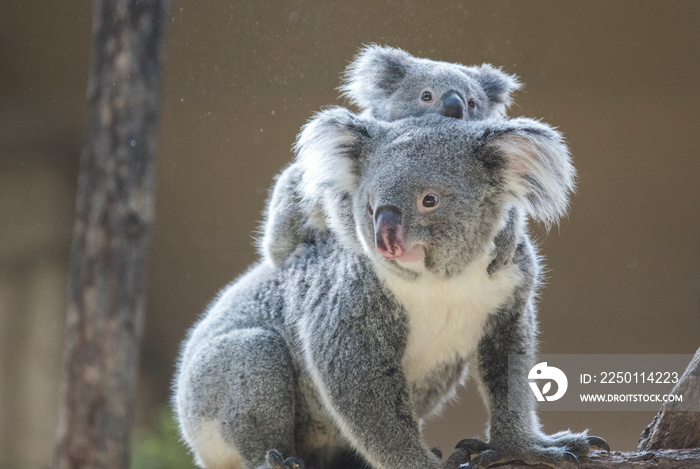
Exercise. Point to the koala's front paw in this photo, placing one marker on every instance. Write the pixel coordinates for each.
(558, 451)
(577, 443)
(276, 461)
(555, 458)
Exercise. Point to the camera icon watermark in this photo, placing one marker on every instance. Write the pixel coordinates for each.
(547, 374)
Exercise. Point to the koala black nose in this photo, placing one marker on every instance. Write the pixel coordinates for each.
(388, 232)
(452, 105)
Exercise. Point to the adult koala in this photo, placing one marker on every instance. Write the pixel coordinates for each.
(333, 358)
(390, 84)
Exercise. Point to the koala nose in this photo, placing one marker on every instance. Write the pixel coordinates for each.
(452, 105)
(388, 232)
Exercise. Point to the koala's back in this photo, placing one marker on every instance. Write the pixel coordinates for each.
(255, 326)
(268, 298)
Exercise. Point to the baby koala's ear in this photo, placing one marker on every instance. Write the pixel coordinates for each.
(498, 86)
(539, 171)
(328, 150)
(374, 75)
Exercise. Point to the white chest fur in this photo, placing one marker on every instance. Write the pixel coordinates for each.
(446, 316)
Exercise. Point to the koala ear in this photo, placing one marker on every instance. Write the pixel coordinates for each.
(328, 149)
(374, 74)
(498, 86)
(539, 170)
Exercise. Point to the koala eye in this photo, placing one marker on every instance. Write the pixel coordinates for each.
(429, 202)
(471, 103)
(426, 96)
(369, 209)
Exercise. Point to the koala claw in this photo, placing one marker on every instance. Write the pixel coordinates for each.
(294, 463)
(276, 461)
(436, 451)
(598, 443)
(570, 460)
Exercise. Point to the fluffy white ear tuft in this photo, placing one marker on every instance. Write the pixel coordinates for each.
(498, 85)
(540, 173)
(327, 150)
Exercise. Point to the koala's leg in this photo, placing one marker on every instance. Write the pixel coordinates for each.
(514, 432)
(354, 358)
(236, 403)
(285, 218)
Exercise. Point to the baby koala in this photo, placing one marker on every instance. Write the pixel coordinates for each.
(390, 84)
(333, 358)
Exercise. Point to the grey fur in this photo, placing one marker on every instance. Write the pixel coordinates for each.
(505, 243)
(387, 84)
(317, 357)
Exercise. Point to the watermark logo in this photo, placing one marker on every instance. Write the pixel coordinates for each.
(611, 382)
(549, 374)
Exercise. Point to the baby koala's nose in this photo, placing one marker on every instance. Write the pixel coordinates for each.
(452, 105)
(388, 232)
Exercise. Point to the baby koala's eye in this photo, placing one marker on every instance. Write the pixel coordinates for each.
(429, 202)
(471, 102)
(426, 96)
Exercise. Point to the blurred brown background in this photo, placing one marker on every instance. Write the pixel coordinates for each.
(620, 79)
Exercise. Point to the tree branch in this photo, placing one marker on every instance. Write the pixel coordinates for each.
(659, 459)
(677, 429)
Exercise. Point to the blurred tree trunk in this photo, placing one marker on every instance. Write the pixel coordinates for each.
(114, 213)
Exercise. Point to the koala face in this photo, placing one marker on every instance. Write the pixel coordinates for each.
(392, 84)
(427, 201)
(443, 89)
(425, 194)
